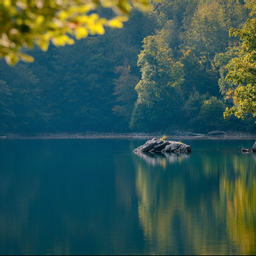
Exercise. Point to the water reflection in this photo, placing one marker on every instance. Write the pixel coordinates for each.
(162, 159)
(62, 197)
(238, 200)
(254, 156)
(54, 198)
(205, 205)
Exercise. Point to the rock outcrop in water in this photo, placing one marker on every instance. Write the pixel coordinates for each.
(254, 147)
(246, 150)
(163, 146)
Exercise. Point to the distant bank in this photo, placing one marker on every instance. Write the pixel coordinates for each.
(173, 136)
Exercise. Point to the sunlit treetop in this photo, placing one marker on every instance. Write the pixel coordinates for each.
(251, 4)
(24, 23)
(242, 69)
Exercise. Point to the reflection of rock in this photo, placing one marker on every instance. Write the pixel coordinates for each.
(254, 157)
(158, 158)
(163, 146)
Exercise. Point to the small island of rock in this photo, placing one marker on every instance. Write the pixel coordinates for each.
(163, 146)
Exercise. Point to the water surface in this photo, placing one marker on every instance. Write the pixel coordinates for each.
(98, 197)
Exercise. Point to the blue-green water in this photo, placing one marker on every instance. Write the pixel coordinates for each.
(98, 197)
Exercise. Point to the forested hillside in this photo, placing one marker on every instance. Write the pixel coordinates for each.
(163, 71)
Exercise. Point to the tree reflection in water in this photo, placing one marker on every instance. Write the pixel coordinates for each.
(204, 205)
(58, 198)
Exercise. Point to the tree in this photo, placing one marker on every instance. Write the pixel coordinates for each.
(23, 98)
(220, 61)
(192, 109)
(76, 82)
(242, 69)
(211, 114)
(198, 77)
(125, 91)
(159, 95)
(207, 33)
(24, 23)
(6, 106)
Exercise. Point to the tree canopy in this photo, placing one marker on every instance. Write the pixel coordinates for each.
(242, 69)
(164, 71)
(24, 23)
(159, 93)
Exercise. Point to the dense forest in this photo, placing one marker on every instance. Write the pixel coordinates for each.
(163, 71)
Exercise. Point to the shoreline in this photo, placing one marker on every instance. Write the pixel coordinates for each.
(135, 136)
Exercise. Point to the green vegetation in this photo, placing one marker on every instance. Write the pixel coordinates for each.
(241, 69)
(24, 23)
(159, 92)
(171, 67)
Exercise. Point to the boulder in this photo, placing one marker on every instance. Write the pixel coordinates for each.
(175, 146)
(159, 147)
(245, 150)
(254, 147)
(184, 148)
(188, 149)
(167, 148)
(163, 146)
(147, 146)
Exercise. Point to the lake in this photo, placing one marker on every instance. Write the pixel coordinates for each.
(98, 197)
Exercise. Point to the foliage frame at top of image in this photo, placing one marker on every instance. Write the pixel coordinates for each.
(24, 23)
(241, 69)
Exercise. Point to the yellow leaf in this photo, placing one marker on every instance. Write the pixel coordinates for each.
(97, 28)
(26, 58)
(115, 24)
(81, 32)
(70, 41)
(39, 19)
(7, 3)
(82, 19)
(44, 44)
(11, 59)
(62, 40)
(63, 15)
(86, 8)
(94, 16)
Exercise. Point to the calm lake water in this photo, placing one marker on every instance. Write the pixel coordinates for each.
(98, 197)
